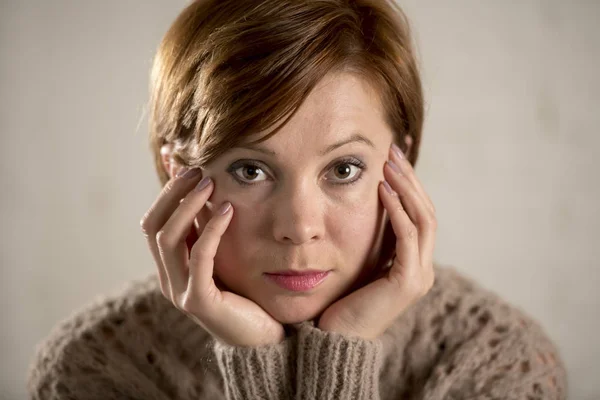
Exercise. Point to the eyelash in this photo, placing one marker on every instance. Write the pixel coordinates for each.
(250, 163)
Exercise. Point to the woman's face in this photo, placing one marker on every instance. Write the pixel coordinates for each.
(305, 199)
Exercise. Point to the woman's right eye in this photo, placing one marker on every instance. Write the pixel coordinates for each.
(247, 173)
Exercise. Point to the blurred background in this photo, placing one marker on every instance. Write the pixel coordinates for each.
(509, 157)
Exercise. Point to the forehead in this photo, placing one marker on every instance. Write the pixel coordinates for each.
(341, 96)
(340, 105)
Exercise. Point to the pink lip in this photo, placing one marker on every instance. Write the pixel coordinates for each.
(298, 281)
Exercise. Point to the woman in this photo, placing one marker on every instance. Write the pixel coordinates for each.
(293, 241)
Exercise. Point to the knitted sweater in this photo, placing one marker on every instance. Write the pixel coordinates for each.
(459, 341)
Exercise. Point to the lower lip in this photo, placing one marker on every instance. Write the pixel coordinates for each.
(298, 283)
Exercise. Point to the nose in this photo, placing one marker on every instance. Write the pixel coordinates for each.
(298, 215)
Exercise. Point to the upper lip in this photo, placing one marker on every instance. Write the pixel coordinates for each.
(297, 272)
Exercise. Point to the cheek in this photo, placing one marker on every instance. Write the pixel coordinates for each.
(239, 244)
(245, 224)
(356, 218)
(241, 198)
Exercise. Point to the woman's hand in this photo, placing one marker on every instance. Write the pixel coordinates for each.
(369, 311)
(187, 280)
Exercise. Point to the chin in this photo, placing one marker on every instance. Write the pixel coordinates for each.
(293, 310)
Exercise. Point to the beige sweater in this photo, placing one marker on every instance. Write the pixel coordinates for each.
(458, 342)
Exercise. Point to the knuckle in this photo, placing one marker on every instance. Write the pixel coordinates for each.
(163, 239)
(146, 224)
(185, 201)
(431, 222)
(399, 208)
(433, 209)
(398, 281)
(411, 233)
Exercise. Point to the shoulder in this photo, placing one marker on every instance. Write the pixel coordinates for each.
(479, 344)
(134, 344)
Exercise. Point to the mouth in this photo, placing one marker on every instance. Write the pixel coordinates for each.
(297, 280)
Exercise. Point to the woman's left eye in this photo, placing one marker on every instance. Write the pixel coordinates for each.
(346, 172)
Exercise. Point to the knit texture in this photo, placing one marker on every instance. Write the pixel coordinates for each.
(459, 341)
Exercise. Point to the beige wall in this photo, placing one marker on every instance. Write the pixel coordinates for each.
(508, 158)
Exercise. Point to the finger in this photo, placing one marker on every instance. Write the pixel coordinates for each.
(417, 210)
(201, 264)
(158, 214)
(407, 245)
(191, 238)
(427, 248)
(400, 160)
(172, 237)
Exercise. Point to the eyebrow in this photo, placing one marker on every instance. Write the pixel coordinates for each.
(355, 137)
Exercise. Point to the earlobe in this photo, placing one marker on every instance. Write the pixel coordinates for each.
(408, 141)
(167, 160)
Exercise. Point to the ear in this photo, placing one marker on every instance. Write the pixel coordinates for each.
(167, 160)
(408, 142)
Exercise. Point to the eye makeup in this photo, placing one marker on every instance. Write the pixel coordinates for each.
(255, 165)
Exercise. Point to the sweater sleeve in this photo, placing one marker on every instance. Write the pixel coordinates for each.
(263, 372)
(487, 349)
(69, 367)
(514, 369)
(334, 366)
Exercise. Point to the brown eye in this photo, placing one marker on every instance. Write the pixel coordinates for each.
(345, 172)
(249, 173)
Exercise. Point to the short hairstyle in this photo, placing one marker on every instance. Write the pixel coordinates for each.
(226, 69)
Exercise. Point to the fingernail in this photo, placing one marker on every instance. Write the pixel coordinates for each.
(202, 184)
(394, 167)
(388, 188)
(398, 152)
(224, 208)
